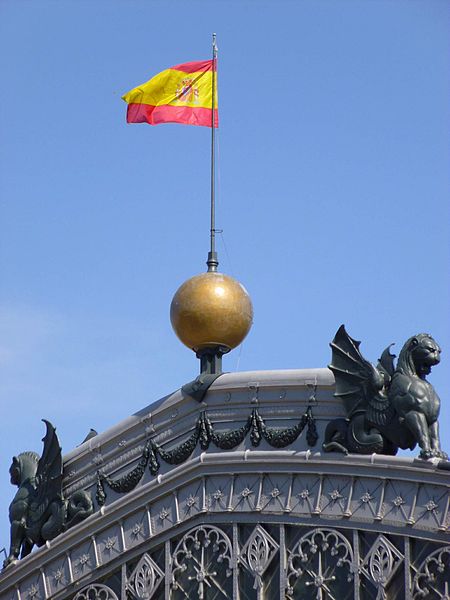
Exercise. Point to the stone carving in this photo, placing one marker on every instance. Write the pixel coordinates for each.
(387, 408)
(129, 481)
(182, 452)
(257, 554)
(33, 591)
(109, 543)
(323, 558)
(145, 579)
(381, 563)
(202, 559)
(230, 439)
(280, 438)
(204, 434)
(96, 591)
(39, 512)
(432, 580)
(58, 576)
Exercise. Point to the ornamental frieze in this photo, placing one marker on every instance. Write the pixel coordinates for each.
(203, 435)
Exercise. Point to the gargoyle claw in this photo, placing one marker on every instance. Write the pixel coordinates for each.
(427, 454)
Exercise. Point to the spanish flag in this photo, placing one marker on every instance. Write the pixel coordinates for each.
(181, 94)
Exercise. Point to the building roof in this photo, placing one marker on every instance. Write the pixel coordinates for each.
(251, 452)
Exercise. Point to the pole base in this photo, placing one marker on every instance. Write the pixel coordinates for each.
(212, 262)
(211, 359)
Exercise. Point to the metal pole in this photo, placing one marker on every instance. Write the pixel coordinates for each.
(212, 261)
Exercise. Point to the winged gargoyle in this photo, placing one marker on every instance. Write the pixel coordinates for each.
(387, 407)
(39, 511)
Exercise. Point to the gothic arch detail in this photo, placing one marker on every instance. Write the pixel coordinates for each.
(432, 579)
(322, 560)
(202, 560)
(96, 591)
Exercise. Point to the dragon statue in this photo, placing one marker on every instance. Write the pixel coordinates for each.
(388, 407)
(39, 511)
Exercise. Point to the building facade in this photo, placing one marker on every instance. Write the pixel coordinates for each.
(232, 497)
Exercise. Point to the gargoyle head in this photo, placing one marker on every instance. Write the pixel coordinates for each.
(14, 471)
(23, 467)
(419, 354)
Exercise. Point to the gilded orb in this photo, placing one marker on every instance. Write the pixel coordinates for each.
(211, 310)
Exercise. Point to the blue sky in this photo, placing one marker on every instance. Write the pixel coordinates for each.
(333, 182)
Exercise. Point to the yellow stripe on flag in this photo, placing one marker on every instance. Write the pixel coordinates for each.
(175, 88)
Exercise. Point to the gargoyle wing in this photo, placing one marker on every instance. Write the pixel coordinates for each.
(386, 364)
(49, 474)
(357, 380)
(380, 410)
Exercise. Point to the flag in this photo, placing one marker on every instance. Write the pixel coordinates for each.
(181, 94)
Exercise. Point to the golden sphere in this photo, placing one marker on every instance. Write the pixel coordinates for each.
(210, 310)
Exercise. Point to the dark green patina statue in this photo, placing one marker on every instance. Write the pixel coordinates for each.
(39, 511)
(387, 407)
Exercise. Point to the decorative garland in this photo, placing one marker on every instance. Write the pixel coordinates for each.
(204, 434)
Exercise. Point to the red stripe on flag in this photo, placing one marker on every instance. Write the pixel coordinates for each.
(193, 67)
(153, 115)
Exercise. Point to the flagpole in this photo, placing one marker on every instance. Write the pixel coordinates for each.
(212, 261)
